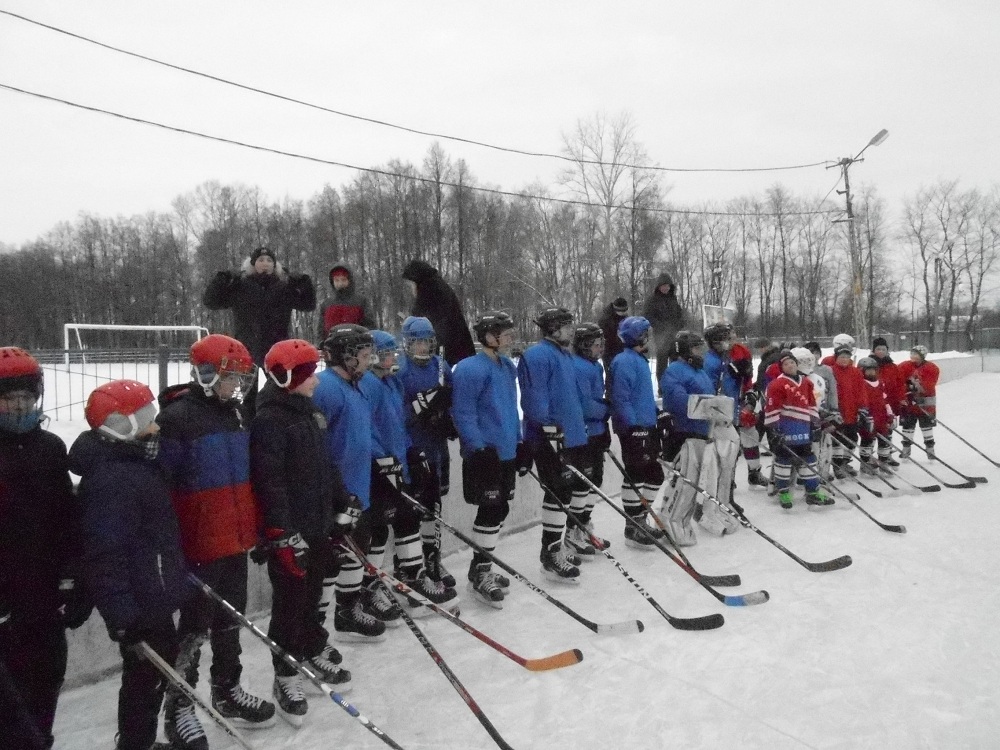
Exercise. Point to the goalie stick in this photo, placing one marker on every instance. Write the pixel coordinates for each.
(625, 626)
(563, 659)
(731, 579)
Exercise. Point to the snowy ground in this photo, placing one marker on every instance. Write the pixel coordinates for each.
(896, 651)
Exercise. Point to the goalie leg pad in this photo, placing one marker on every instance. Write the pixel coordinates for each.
(681, 503)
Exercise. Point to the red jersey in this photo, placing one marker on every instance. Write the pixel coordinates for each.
(877, 404)
(790, 409)
(921, 382)
(850, 389)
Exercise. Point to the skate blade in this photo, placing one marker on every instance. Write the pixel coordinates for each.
(556, 578)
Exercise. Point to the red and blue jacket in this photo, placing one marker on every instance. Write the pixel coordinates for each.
(790, 409)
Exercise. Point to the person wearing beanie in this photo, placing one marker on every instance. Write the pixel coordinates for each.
(850, 398)
(920, 405)
(205, 451)
(262, 296)
(347, 305)
(41, 593)
(303, 506)
(874, 421)
(435, 300)
(132, 560)
(666, 316)
(613, 313)
(892, 383)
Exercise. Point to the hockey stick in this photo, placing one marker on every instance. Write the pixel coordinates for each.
(298, 666)
(938, 421)
(799, 461)
(837, 563)
(446, 671)
(977, 480)
(9, 689)
(563, 659)
(170, 674)
(922, 488)
(706, 622)
(726, 580)
(896, 491)
(730, 600)
(625, 626)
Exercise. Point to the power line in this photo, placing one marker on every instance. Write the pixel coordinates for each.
(381, 172)
(383, 123)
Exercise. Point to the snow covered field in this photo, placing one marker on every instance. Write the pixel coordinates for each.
(895, 651)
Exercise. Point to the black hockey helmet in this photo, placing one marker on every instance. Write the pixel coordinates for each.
(718, 332)
(343, 342)
(867, 363)
(685, 343)
(495, 322)
(584, 337)
(551, 319)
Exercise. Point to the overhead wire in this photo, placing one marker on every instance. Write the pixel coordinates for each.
(382, 172)
(458, 139)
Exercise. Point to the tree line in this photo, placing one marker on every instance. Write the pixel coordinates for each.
(778, 259)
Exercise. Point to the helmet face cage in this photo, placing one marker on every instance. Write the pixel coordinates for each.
(584, 338)
(343, 346)
(719, 335)
(685, 345)
(552, 319)
(420, 348)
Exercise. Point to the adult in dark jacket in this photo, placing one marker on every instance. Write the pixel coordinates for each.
(132, 563)
(437, 302)
(262, 296)
(39, 550)
(664, 313)
(613, 314)
(347, 305)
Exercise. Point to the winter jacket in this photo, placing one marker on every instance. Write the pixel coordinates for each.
(39, 524)
(767, 358)
(346, 305)
(679, 381)
(665, 314)
(206, 454)
(389, 438)
(484, 405)
(590, 389)
(921, 385)
(630, 390)
(348, 433)
(298, 487)
(439, 304)
(893, 383)
(878, 406)
(262, 304)
(545, 374)
(850, 384)
(613, 346)
(790, 409)
(717, 368)
(133, 565)
(419, 377)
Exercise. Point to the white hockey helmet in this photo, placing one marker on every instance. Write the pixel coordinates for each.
(843, 339)
(805, 358)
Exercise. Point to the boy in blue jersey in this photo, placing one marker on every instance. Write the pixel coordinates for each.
(555, 429)
(484, 407)
(427, 390)
(347, 351)
(588, 348)
(397, 468)
(634, 416)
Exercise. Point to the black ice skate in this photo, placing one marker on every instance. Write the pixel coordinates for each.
(291, 701)
(241, 708)
(351, 623)
(182, 726)
(484, 586)
(558, 565)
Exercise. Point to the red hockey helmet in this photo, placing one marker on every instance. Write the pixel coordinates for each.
(216, 356)
(289, 363)
(19, 371)
(121, 408)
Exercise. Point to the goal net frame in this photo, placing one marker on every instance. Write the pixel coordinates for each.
(199, 331)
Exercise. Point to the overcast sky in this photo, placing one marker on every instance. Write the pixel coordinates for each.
(711, 85)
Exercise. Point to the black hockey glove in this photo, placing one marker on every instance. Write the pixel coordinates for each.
(640, 445)
(524, 459)
(290, 551)
(740, 369)
(74, 604)
(420, 468)
(664, 424)
(776, 440)
(390, 468)
(346, 519)
(865, 420)
(750, 399)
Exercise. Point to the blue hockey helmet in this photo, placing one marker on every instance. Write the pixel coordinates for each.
(384, 342)
(634, 330)
(419, 340)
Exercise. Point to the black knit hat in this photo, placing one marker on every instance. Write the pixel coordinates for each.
(620, 305)
(879, 341)
(262, 251)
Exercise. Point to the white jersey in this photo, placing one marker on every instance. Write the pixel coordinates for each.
(819, 389)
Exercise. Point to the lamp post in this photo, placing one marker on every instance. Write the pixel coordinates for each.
(858, 311)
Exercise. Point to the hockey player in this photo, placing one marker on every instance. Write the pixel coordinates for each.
(920, 407)
(741, 368)
(133, 563)
(850, 392)
(892, 383)
(41, 593)
(205, 452)
(634, 417)
(822, 439)
(684, 377)
(397, 467)
(426, 379)
(874, 420)
(588, 349)
(484, 407)
(791, 416)
(303, 505)
(554, 427)
(360, 614)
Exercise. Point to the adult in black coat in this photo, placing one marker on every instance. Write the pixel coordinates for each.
(613, 314)
(262, 296)
(665, 314)
(437, 302)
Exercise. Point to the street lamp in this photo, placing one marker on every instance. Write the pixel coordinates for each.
(858, 312)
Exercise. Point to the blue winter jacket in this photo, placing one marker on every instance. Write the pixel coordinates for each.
(417, 377)
(133, 565)
(679, 381)
(723, 380)
(590, 386)
(546, 376)
(484, 405)
(389, 438)
(349, 431)
(630, 386)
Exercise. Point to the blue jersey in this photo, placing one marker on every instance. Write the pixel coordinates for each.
(389, 438)
(349, 431)
(417, 377)
(484, 405)
(630, 386)
(723, 379)
(547, 381)
(679, 381)
(590, 386)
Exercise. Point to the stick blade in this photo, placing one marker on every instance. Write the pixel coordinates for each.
(708, 622)
(825, 567)
(556, 661)
(746, 600)
(621, 628)
(724, 581)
